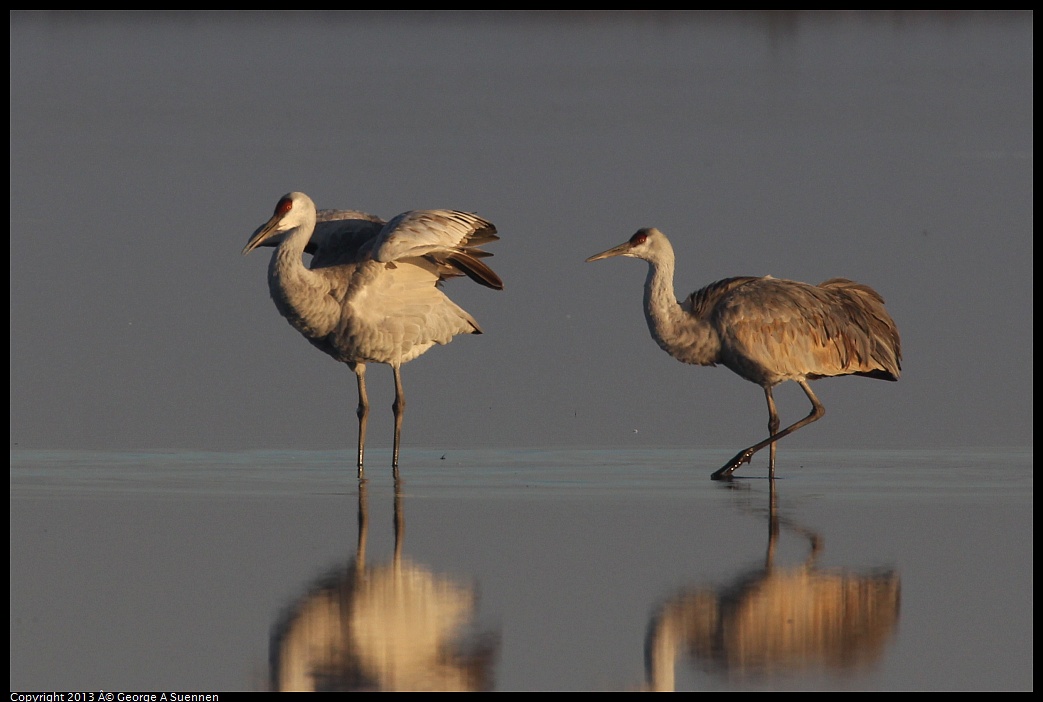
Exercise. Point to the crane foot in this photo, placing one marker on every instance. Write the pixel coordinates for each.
(725, 473)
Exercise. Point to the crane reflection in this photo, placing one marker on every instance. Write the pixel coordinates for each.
(395, 626)
(776, 620)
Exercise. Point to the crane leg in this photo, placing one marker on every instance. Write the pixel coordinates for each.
(744, 456)
(773, 429)
(362, 411)
(399, 408)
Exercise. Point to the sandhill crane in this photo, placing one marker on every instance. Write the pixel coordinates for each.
(371, 293)
(767, 330)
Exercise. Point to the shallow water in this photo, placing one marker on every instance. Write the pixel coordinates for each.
(521, 570)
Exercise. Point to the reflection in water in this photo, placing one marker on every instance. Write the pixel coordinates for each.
(396, 626)
(776, 620)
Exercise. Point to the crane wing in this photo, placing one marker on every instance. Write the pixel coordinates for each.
(790, 329)
(449, 238)
(864, 307)
(702, 302)
(342, 236)
(420, 232)
(395, 312)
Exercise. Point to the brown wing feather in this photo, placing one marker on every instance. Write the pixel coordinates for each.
(773, 330)
(880, 340)
(701, 302)
(469, 265)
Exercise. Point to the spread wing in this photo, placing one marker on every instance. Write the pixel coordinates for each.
(449, 238)
(342, 236)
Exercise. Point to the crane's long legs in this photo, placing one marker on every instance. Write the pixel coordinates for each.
(399, 409)
(363, 411)
(773, 428)
(744, 456)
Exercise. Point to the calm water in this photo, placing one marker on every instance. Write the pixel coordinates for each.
(521, 570)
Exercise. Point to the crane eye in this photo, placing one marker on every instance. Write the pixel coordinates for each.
(284, 206)
(638, 238)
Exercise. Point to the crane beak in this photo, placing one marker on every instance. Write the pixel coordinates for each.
(621, 250)
(262, 233)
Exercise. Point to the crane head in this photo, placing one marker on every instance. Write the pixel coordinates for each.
(644, 244)
(292, 210)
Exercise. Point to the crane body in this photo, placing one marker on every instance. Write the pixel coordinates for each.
(372, 292)
(767, 330)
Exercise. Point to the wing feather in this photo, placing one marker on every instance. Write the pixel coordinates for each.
(788, 329)
(342, 236)
(422, 232)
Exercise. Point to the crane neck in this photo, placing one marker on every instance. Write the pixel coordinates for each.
(293, 286)
(287, 263)
(685, 337)
(661, 308)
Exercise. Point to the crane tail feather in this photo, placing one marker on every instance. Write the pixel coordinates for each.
(474, 269)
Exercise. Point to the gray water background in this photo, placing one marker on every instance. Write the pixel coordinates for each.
(894, 149)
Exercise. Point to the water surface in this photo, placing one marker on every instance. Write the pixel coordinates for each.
(521, 570)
